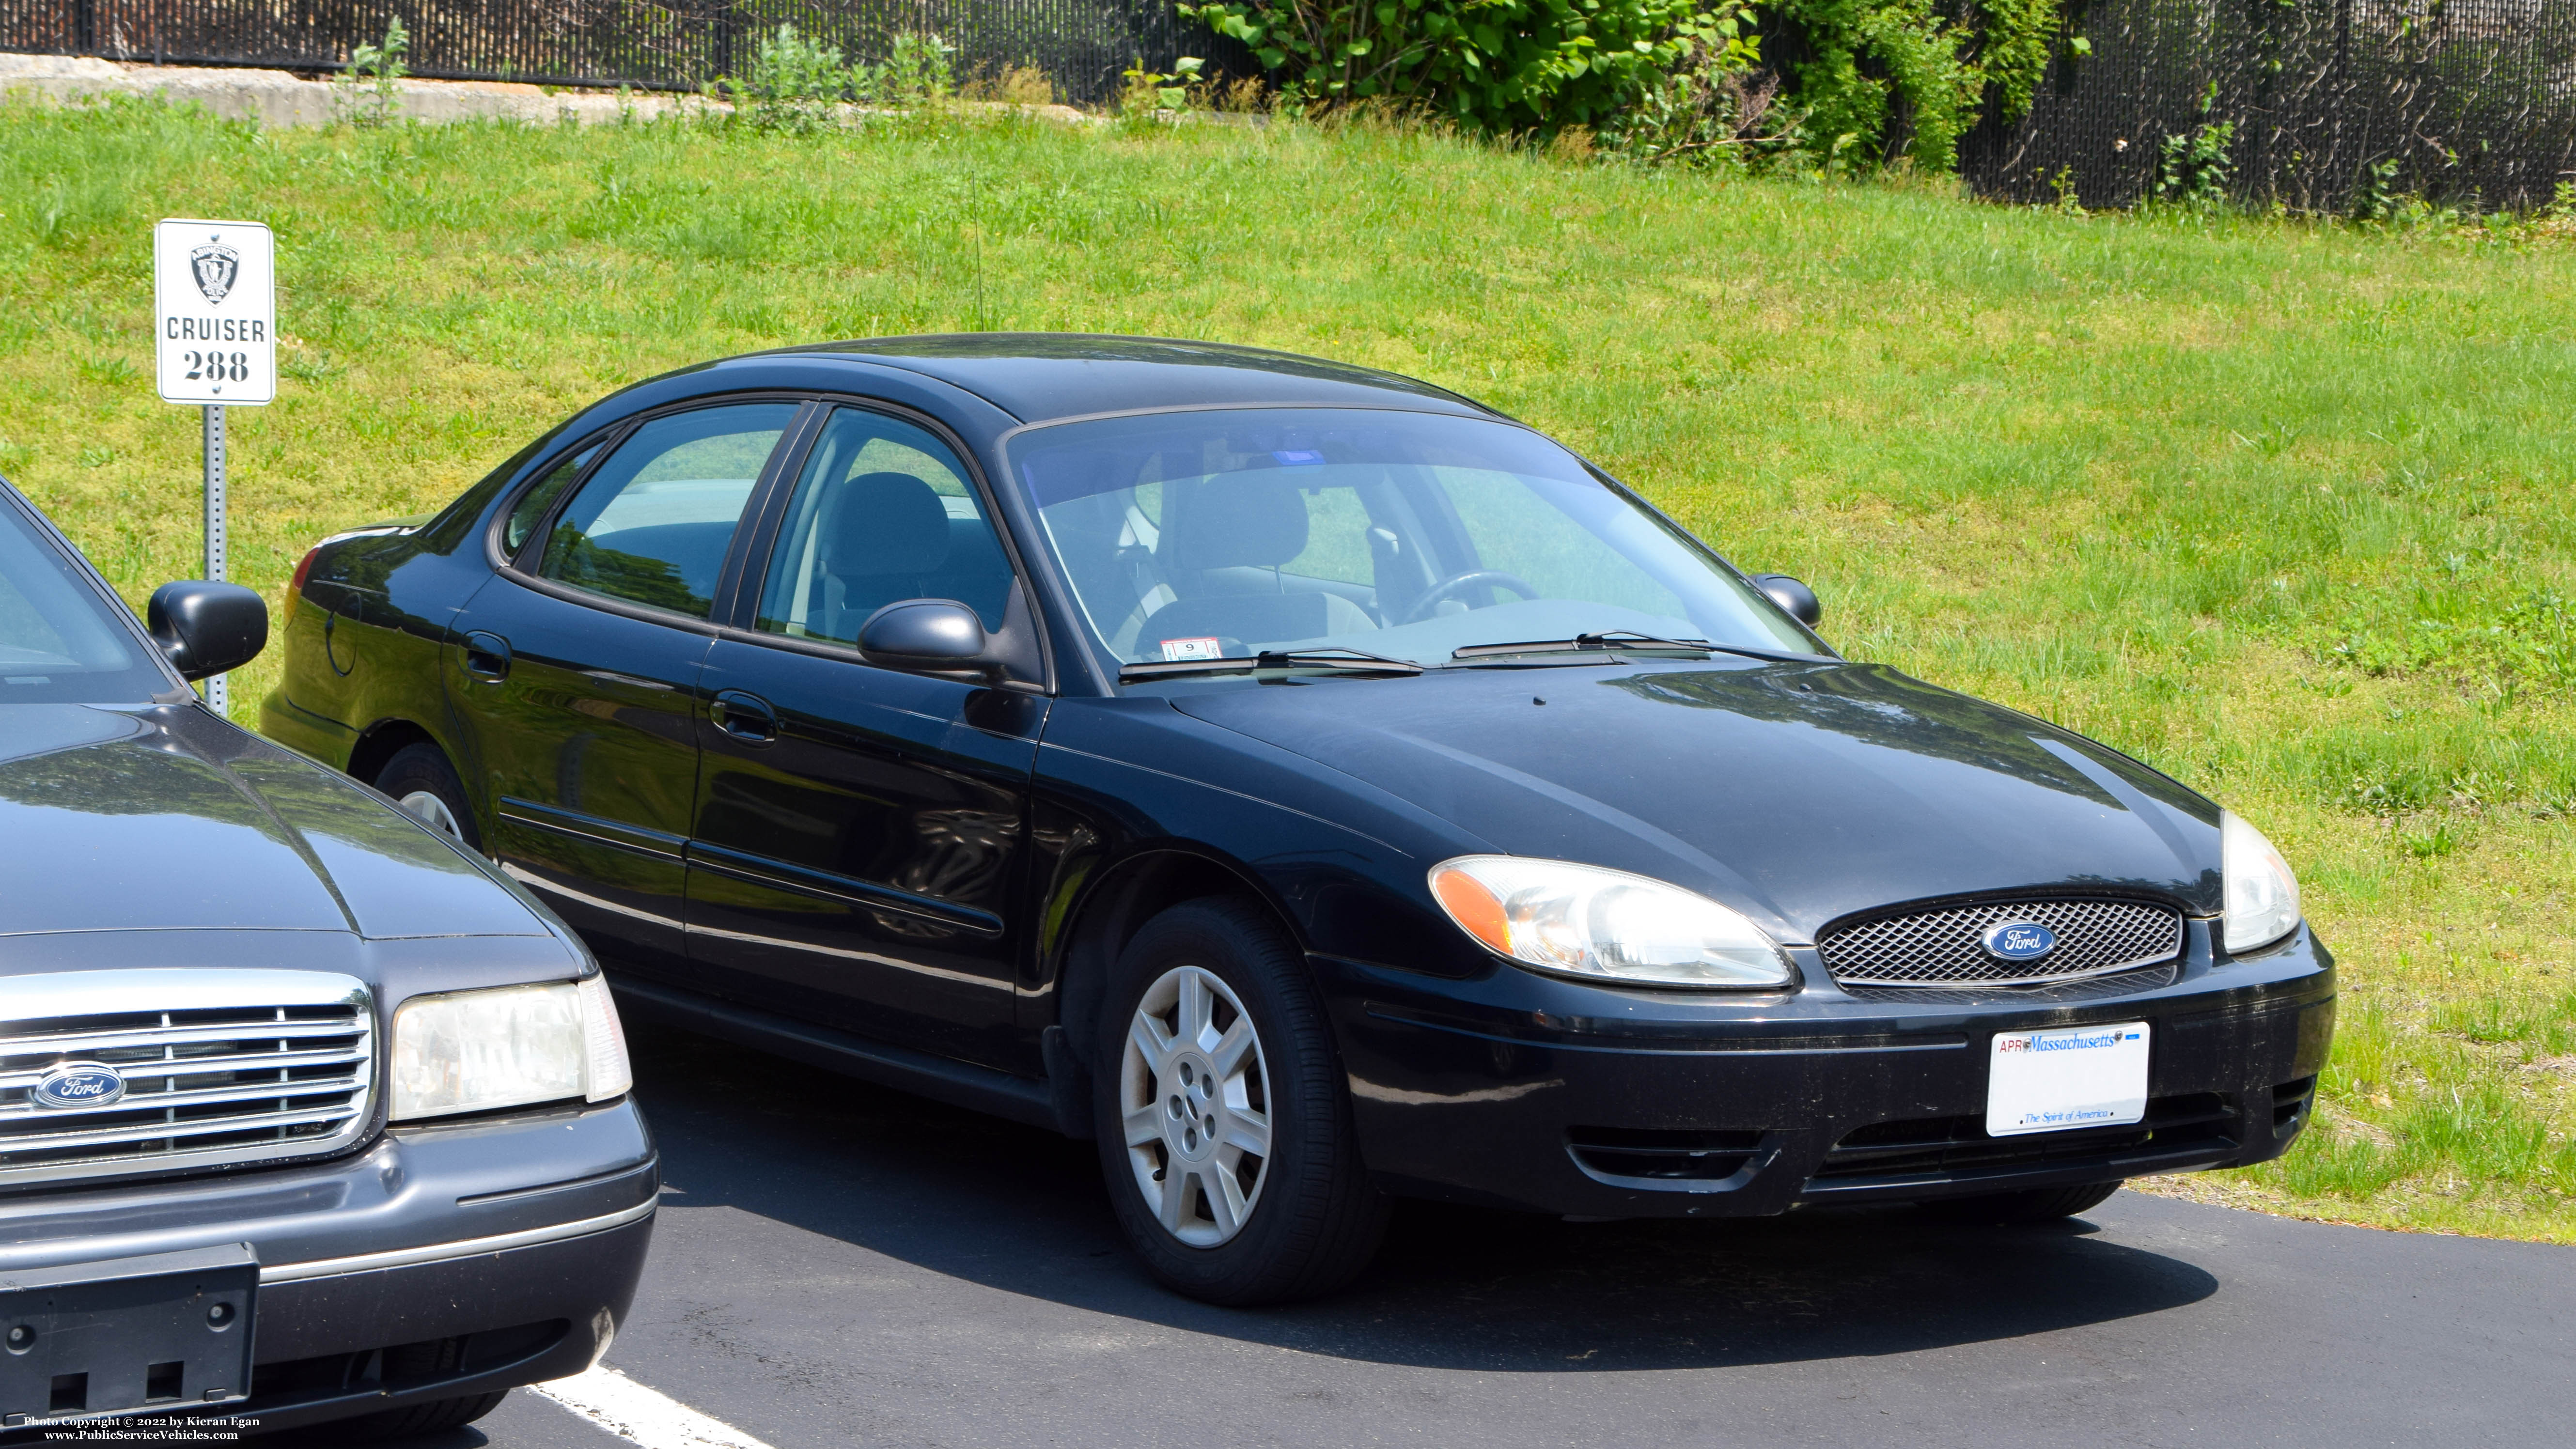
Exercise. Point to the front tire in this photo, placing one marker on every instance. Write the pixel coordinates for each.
(413, 1362)
(1225, 1133)
(430, 1418)
(419, 780)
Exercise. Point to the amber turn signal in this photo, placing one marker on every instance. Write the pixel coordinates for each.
(1474, 907)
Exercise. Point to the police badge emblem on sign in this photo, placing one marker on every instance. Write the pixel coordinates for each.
(217, 267)
(214, 328)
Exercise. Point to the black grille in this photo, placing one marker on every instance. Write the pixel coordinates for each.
(1944, 947)
(1951, 1149)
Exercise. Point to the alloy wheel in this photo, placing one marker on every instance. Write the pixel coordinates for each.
(429, 810)
(1194, 1093)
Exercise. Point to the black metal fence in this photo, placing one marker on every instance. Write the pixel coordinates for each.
(1081, 45)
(2331, 104)
(2334, 104)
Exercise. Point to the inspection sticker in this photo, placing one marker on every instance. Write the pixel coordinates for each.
(2076, 1076)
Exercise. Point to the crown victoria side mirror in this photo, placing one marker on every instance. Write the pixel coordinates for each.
(205, 628)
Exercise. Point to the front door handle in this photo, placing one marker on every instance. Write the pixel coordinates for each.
(746, 717)
(487, 656)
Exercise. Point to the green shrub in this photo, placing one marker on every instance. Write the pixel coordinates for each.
(1501, 66)
(794, 83)
(1714, 103)
(2013, 50)
(1870, 64)
(1145, 94)
(797, 82)
(369, 89)
(918, 69)
(2193, 169)
(1666, 78)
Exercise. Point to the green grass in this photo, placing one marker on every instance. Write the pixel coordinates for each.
(2279, 507)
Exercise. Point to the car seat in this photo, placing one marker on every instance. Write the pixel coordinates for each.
(1224, 543)
(885, 540)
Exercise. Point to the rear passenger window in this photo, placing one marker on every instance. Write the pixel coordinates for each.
(531, 508)
(653, 523)
(883, 512)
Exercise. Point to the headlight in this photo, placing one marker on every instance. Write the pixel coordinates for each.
(1604, 925)
(2262, 895)
(508, 1047)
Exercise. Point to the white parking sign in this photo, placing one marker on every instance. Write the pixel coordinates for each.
(215, 295)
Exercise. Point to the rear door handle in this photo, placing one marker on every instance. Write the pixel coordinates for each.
(746, 717)
(487, 656)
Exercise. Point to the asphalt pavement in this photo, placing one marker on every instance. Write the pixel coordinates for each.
(839, 1265)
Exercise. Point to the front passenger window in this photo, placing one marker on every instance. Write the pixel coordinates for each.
(653, 523)
(882, 513)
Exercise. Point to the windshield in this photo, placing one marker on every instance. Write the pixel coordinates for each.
(58, 642)
(1206, 535)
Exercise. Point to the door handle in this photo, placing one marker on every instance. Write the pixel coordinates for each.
(487, 656)
(746, 717)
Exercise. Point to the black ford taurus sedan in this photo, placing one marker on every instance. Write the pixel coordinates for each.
(1311, 785)
(306, 1114)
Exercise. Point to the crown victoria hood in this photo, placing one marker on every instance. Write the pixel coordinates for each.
(163, 819)
(1800, 793)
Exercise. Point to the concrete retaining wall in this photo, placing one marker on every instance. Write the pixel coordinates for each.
(282, 98)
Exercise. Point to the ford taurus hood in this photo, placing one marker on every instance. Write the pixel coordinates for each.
(167, 819)
(1800, 792)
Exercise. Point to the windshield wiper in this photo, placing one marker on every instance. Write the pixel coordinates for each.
(1338, 660)
(1624, 641)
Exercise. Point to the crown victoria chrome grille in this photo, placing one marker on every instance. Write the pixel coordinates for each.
(1945, 947)
(113, 1073)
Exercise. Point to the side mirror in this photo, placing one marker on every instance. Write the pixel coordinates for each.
(1789, 594)
(931, 636)
(206, 628)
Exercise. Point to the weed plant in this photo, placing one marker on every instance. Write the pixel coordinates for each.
(800, 84)
(368, 90)
(2279, 507)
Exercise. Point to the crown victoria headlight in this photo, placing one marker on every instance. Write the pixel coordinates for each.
(511, 1046)
(1604, 925)
(2262, 894)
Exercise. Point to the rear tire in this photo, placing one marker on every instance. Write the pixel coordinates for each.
(1224, 1129)
(420, 781)
(2031, 1205)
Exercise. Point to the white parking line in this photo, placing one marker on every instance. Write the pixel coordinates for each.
(642, 1415)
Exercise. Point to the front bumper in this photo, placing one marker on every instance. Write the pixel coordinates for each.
(445, 1260)
(1523, 1091)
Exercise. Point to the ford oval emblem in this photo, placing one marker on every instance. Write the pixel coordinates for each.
(79, 1084)
(2019, 941)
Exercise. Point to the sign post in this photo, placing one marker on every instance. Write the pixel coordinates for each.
(214, 332)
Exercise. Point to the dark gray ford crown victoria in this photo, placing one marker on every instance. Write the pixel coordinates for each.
(1311, 785)
(305, 1114)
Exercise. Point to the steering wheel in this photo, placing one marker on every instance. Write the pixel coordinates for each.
(1431, 598)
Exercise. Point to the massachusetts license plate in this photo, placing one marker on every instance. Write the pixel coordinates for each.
(128, 1335)
(2076, 1076)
